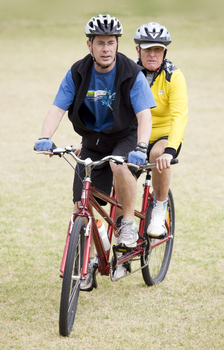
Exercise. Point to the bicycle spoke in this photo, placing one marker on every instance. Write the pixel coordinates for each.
(72, 298)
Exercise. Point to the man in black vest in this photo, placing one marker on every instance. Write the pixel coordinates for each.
(108, 101)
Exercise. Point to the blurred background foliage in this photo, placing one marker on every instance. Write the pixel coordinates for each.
(70, 10)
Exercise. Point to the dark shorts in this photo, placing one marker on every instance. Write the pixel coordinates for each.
(150, 146)
(102, 176)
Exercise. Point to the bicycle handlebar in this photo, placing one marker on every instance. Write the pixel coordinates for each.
(88, 161)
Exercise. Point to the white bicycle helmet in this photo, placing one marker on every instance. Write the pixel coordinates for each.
(103, 25)
(152, 34)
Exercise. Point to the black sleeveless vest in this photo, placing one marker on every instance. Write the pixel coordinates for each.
(123, 113)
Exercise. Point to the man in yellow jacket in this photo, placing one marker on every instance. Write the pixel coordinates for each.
(169, 117)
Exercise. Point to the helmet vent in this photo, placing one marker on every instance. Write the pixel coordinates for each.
(111, 24)
(99, 24)
(147, 31)
(103, 25)
(106, 24)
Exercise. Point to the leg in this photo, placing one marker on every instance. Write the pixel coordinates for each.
(126, 186)
(161, 184)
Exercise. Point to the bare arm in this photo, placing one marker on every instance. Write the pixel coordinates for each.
(52, 121)
(144, 125)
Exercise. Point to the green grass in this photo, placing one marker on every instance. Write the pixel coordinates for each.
(38, 44)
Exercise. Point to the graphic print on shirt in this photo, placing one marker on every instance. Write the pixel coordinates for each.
(104, 96)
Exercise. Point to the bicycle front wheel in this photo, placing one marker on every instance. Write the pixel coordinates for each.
(72, 278)
(158, 260)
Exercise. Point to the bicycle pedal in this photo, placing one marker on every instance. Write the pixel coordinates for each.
(121, 248)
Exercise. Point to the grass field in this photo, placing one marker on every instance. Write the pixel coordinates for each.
(39, 42)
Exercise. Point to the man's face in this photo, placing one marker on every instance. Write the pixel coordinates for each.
(152, 57)
(104, 48)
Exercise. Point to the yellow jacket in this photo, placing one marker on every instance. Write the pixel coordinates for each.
(170, 116)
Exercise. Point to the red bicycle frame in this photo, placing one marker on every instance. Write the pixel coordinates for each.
(86, 211)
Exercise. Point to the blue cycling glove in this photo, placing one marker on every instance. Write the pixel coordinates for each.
(137, 157)
(43, 144)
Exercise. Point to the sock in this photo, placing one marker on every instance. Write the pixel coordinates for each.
(160, 205)
(127, 220)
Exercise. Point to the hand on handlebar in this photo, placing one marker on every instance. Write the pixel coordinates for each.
(137, 157)
(163, 162)
(78, 150)
(43, 144)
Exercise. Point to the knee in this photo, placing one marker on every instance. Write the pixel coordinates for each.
(155, 153)
(118, 170)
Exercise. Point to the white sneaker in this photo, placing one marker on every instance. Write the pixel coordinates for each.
(120, 271)
(126, 234)
(116, 233)
(157, 226)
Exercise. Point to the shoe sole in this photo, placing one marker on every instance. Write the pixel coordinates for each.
(125, 245)
(155, 235)
(163, 235)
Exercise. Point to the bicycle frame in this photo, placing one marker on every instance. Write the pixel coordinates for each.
(86, 210)
(75, 263)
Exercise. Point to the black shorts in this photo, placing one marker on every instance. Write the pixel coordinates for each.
(102, 176)
(150, 146)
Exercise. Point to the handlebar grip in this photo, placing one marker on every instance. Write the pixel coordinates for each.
(174, 161)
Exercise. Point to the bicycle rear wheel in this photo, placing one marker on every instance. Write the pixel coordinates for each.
(158, 260)
(72, 278)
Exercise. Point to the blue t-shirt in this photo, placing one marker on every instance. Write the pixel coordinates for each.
(100, 97)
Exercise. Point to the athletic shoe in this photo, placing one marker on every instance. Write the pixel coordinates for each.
(117, 232)
(120, 271)
(127, 234)
(89, 281)
(157, 226)
(116, 237)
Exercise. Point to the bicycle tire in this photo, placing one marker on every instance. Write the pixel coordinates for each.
(70, 287)
(158, 259)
